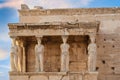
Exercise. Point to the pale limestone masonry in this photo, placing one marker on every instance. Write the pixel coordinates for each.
(97, 26)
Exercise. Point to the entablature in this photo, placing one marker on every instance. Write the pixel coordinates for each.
(53, 28)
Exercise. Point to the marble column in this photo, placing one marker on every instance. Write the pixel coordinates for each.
(39, 53)
(64, 54)
(92, 54)
(14, 55)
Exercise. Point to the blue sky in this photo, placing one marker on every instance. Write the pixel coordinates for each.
(8, 14)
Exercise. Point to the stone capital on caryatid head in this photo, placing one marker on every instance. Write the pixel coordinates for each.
(14, 38)
(92, 38)
(64, 38)
(23, 42)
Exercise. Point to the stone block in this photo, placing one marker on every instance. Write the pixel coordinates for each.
(55, 77)
(101, 77)
(75, 77)
(65, 78)
(19, 77)
(117, 70)
(77, 66)
(39, 77)
(91, 76)
(113, 77)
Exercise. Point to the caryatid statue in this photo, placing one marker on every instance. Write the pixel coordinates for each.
(20, 54)
(39, 52)
(64, 54)
(14, 55)
(92, 54)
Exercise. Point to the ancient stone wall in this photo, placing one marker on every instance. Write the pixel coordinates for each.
(69, 15)
(43, 76)
(78, 53)
(108, 50)
(53, 76)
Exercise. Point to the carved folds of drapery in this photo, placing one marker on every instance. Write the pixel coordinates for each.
(13, 54)
(17, 55)
(22, 54)
(64, 54)
(39, 52)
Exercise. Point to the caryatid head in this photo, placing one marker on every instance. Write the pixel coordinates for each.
(39, 39)
(92, 38)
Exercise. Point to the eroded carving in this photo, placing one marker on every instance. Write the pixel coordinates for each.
(24, 7)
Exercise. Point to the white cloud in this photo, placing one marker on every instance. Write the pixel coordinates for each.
(11, 4)
(46, 3)
(3, 54)
(49, 3)
(58, 3)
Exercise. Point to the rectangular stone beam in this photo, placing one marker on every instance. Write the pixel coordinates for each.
(52, 29)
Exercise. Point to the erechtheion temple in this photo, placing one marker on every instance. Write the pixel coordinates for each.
(65, 44)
